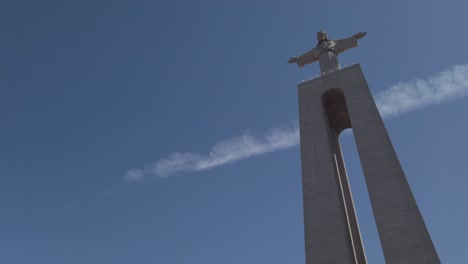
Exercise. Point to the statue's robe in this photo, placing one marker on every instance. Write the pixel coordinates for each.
(327, 53)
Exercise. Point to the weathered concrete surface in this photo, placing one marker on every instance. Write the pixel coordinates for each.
(331, 231)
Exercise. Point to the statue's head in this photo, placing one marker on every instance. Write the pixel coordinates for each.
(322, 36)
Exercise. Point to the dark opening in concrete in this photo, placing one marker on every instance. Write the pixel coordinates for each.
(337, 112)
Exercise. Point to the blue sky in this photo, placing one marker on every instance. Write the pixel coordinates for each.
(91, 91)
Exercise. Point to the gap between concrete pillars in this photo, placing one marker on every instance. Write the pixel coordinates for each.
(355, 234)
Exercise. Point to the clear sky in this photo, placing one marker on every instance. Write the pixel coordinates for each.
(166, 131)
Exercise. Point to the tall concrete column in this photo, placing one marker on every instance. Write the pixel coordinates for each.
(331, 229)
(327, 105)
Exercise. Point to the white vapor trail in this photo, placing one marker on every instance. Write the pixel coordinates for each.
(399, 98)
(409, 96)
(222, 153)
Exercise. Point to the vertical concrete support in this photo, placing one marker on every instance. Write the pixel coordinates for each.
(331, 230)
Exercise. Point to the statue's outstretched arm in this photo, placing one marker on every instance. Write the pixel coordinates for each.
(347, 43)
(306, 58)
(360, 35)
(292, 60)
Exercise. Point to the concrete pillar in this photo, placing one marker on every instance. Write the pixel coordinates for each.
(331, 229)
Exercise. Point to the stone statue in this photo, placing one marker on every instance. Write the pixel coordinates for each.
(326, 51)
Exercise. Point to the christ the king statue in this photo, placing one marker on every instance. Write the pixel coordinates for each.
(326, 51)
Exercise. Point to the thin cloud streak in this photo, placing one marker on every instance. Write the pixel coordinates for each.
(409, 96)
(398, 99)
(224, 152)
